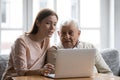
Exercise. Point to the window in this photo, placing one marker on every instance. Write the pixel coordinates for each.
(19, 15)
(90, 21)
(11, 25)
(85, 12)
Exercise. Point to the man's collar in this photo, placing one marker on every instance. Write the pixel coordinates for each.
(76, 45)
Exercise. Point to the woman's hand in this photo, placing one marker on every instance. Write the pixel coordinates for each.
(47, 69)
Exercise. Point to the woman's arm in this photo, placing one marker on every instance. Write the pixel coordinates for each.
(20, 61)
(19, 57)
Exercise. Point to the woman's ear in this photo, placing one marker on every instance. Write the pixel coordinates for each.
(37, 23)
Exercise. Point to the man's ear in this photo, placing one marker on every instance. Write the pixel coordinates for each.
(58, 33)
(79, 32)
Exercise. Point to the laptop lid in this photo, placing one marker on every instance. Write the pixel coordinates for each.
(74, 63)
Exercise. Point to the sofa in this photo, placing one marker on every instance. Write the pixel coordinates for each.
(111, 57)
(3, 64)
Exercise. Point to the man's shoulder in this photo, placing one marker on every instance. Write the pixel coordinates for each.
(85, 45)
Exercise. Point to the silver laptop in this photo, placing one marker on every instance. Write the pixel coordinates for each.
(74, 63)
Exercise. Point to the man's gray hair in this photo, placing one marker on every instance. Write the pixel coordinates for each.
(68, 22)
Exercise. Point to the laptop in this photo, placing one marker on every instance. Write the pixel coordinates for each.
(71, 63)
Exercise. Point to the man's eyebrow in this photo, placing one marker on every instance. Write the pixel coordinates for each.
(63, 32)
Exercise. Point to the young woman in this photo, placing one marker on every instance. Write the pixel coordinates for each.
(28, 52)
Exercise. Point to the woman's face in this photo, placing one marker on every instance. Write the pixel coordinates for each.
(47, 26)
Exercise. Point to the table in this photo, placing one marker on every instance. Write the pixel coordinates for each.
(95, 77)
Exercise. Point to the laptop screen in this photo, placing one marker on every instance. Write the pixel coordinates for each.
(74, 63)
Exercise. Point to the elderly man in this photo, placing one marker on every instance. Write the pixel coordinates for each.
(69, 36)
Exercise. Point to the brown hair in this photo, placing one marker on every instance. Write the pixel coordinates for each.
(41, 15)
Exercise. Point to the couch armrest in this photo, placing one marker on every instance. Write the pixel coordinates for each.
(111, 57)
(3, 63)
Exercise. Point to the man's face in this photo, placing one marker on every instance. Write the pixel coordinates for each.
(69, 35)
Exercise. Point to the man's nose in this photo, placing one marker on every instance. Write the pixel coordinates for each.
(67, 36)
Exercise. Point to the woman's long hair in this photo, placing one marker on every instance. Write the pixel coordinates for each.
(41, 15)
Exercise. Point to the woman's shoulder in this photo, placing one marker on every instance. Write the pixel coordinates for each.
(21, 39)
(52, 48)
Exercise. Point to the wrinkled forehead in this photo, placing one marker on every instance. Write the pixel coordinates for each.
(69, 27)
